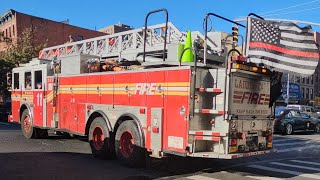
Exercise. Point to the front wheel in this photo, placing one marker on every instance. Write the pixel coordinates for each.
(289, 129)
(26, 125)
(317, 128)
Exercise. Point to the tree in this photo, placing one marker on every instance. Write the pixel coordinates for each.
(23, 50)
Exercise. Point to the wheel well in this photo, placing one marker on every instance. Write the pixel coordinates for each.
(127, 118)
(22, 108)
(91, 118)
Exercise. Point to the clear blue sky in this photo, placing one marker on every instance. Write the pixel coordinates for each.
(185, 14)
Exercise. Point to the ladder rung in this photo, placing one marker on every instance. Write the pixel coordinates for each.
(208, 111)
(215, 90)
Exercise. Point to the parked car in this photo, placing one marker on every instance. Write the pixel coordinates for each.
(288, 121)
(4, 111)
(304, 109)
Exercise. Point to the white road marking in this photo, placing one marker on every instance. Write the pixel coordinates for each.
(198, 177)
(296, 166)
(2, 123)
(297, 148)
(263, 177)
(293, 143)
(306, 162)
(296, 173)
(283, 140)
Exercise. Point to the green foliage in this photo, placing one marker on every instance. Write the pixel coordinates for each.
(21, 51)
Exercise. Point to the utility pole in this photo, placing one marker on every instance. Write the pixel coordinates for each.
(288, 85)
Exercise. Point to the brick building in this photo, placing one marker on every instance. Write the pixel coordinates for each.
(115, 28)
(13, 23)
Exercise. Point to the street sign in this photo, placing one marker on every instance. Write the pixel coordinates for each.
(294, 91)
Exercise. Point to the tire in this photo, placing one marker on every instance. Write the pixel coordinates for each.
(28, 130)
(129, 145)
(317, 128)
(288, 129)
(99, 139)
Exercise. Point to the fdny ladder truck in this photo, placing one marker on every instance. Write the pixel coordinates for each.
(214, 107)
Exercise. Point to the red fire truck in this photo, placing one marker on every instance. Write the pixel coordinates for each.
(154, 104)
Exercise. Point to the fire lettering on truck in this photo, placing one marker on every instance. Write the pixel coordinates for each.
(244, 97)
(145, 88)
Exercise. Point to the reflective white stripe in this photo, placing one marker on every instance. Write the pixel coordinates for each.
(290, 28)
(297, 37)
(263, 177)
(306, 162)
(296, 166)
(296, 173)
(298, 45)
(199, 177)
(283, 58)
(284, 67)
(297, 148)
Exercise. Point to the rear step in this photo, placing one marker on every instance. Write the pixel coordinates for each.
(214, 90)
(209, 111)
(206, 135)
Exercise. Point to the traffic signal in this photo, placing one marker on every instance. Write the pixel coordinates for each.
(235, 32)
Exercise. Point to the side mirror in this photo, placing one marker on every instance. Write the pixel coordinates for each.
(9, 81)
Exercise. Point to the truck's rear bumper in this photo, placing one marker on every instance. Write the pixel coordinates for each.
(228, 156)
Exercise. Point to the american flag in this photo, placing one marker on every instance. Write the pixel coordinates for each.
(283, 47)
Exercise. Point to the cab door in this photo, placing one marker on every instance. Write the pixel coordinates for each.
(39, 101)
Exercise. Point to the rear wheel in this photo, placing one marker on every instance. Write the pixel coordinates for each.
(129, 145)
(99, 139)
(289, 129)
(26, 125)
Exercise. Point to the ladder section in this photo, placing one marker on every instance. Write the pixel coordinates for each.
(126, 44)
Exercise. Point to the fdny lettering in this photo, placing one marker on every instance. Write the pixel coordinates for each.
(253, 98)
(145, 88)
(242, 84)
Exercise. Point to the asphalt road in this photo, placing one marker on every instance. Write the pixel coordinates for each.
(296, 157)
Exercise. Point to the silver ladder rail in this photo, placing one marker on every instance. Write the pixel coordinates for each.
(124, 44)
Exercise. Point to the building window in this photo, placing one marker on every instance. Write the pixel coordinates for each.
(6, 35)
(312, 80)
(317, 77)
(297, 79)
(311, 93)
(302, 89)
(303, 80)
(13, 32)
(10, 31)
(308, 80)
(307, 93)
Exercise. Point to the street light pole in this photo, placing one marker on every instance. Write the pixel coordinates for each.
(288, 84)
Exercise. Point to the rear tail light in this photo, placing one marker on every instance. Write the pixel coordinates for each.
(234, 142)
(269, 138)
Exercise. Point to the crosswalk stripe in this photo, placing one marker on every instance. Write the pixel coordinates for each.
(263, 177)
(6, 124)
(198, 177)
(296, 166)
(293, 143)
(297, 148)
(296, 173)
(306, 162)
(283, 140)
